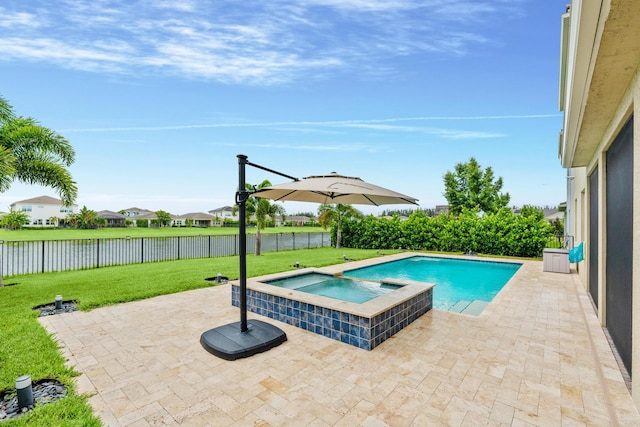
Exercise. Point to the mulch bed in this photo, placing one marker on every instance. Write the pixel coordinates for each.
(50, 309)
(45, 391)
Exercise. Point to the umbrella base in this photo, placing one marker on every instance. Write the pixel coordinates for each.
(229, 343)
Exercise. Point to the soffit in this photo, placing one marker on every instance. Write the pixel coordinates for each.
(618, 56)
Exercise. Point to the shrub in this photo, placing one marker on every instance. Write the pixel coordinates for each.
(501, 233)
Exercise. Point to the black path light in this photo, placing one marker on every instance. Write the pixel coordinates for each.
(246, 338)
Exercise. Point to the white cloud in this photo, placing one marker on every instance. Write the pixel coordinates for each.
(309, 126)
(367, 5)
(248, 42)
(17, 19)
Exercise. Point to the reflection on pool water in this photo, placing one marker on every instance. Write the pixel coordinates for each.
(352, 290)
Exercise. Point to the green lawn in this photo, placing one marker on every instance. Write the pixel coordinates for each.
(101, 233)
(28, 349)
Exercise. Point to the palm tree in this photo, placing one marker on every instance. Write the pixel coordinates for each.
(85, 218)
(329, 215)
(54, 220)
(276, 210)
(33, 154)
(262, 209)
(15, 220)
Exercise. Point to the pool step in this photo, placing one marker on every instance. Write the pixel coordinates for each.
(473, 308)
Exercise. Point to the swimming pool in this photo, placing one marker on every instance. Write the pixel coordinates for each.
(352, 290)
(462, 285)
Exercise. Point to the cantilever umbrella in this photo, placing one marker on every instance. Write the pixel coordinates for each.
(248, 337)
(332, 189)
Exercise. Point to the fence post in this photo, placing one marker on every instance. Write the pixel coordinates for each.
(2, 258)
(43, 243)
(142, 250)
(178, 247)
(97, 253)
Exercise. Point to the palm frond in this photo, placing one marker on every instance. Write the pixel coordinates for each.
(7, 168)
(6, 110)
(24, 135)
(45, 171)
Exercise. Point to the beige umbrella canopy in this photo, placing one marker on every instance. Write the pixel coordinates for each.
(332, 189)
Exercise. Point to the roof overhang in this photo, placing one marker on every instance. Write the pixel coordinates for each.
(602, 59)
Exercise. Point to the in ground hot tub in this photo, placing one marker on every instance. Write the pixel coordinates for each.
(363, 324)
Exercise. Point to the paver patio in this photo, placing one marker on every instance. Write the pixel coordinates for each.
(535, 356)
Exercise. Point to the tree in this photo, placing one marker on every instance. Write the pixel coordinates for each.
(54, 220)
(330, 215)
(33, 154)
(532, 211)
(15, 220)
(164, 218)
(262, 209)
(468, 187)
(85, 218)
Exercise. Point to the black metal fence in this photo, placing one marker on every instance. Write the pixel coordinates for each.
(560, 242)
(28, 257)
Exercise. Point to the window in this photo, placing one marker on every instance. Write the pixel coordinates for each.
(66, 209)
(26, 208)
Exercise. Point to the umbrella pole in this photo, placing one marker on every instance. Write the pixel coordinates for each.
(245, 338)
(242, 212)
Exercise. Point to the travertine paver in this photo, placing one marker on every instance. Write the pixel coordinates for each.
(535, 356)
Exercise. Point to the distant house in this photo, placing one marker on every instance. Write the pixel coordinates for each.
(550, 214)
(44, 210)
(441, 209)
(196, 219)
(553, 214)
(225, 212)
(298, 220)
(132, 213)
(114, 219)
(150, 216)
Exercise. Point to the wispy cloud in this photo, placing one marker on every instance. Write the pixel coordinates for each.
(249, 42)
(444, 133)
(17, 19)
(381, 126)
(374, 124)
(338, 147)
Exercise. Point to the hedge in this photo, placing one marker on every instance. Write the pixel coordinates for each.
(502, 233)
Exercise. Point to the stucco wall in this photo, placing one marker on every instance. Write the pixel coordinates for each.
(577, 201)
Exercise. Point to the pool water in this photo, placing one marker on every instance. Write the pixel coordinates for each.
(357, 291)
(457, 281)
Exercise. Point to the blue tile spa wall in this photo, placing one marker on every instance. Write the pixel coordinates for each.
(359, 331)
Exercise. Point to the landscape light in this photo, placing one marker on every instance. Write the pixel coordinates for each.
(24, 391)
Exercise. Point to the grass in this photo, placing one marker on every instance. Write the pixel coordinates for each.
(102, 233)
(28, 349)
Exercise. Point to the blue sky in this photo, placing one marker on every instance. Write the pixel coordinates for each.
(159, 96)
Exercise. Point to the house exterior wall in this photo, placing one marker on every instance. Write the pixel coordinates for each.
(40, 214)
(224, 213)
(599, 93)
